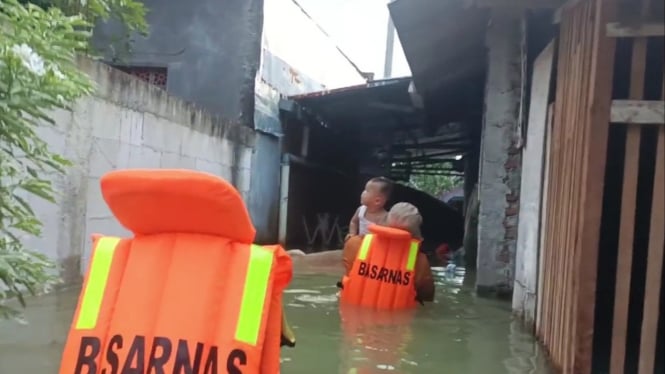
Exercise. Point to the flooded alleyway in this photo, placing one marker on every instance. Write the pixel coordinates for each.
(457, 334)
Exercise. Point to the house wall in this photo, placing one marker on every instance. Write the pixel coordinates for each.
(263, 199)
(601, 300)
(210, 48)
(500, 159)
(237, 59)
(126, 124)
(533, 167)
(212, 52)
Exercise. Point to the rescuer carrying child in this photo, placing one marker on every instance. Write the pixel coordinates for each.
(386, 270)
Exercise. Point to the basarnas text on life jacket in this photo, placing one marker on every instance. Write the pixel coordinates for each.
(136, 355)
(383, 274)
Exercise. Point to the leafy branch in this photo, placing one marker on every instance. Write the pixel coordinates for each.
(39, 41)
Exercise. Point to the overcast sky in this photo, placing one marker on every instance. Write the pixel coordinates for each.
(359, 28)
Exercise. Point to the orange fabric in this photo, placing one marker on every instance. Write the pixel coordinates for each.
(382, 280)
(165, 201)
(424, 280)
(271, 349)
(173, 294)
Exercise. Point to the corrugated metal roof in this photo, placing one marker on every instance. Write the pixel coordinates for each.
(384, 102)
(389, 102)
(351, 89)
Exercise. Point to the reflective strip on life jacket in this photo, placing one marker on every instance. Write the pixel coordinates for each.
(364, 248)
(413, 255)
(254, 295)
(410, 262)
(251, 306)
(93, 295)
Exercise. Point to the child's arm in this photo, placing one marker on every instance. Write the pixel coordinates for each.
(353, 225)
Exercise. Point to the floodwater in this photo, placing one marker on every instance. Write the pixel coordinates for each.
(457, 334)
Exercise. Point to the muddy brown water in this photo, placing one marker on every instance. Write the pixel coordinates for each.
(459, 333)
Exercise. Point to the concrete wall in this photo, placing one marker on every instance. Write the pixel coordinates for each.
(237, 58)
(263, 200)
(533, 168)
(127, 124)
(500, 159)
(212, 52)
(211, 49)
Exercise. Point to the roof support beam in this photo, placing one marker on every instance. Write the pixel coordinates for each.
(431, 156)
(450, 142)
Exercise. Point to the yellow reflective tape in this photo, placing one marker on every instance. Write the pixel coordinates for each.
(413, 254)
(93, 295)
(254, 295)
(364, 248)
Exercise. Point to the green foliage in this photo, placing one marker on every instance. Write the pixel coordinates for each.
(434, 185)
(38, 73)
(39, 40)
(130, 13)
(433, 179)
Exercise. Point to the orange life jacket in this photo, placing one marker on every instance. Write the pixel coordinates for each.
(382, 275)
(188, 293)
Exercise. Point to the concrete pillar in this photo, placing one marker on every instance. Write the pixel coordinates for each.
(264, 188)
(500, 158)
(471, 169)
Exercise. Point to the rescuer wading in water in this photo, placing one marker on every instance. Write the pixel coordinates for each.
(403, 216)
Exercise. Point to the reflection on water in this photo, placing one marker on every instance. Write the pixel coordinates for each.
(458, 333)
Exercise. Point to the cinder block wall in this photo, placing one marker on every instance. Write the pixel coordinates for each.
(127, 124)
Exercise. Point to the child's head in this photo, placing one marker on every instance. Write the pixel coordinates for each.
(376, 193)
(405, 216)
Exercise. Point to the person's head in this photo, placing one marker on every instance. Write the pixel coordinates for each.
(405, 216)
(377, 192)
